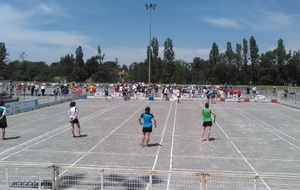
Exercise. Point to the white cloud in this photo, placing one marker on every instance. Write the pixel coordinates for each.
(271, 21)
(39, 45)
(223, 22)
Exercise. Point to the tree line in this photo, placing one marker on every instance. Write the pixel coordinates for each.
(242, 65)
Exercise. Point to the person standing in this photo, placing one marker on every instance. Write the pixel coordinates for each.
(36, 88)
(73, 118)
(43, 89)
(207, 121)
(32, 86)
(166, 93)
(3, 122)
(106, 91)
(239, 93)
(56, 92)
(147, 124)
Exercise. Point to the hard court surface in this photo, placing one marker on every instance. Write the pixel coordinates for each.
(249, 137)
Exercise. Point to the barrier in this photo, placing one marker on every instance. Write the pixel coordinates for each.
(246, 100)
(151, 97)
(27, 177)
(274, 100)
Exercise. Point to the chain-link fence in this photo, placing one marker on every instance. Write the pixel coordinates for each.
(28, 177)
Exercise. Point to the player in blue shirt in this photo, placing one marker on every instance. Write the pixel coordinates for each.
(147, 118)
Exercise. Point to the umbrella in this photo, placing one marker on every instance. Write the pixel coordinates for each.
(78, 90)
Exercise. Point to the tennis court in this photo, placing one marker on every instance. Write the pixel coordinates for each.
(253, 138)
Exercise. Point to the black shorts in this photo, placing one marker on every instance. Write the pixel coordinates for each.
(75, 121)
(3, 125)
(207, 123)
(106, 93)
(147, 129)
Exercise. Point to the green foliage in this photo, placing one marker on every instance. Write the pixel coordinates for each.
(3, 53)
(245, 64)
(214, 54)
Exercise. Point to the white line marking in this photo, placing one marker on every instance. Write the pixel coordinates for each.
(86, 153)
(54, 115)
(172, 148)
(250, 116)
(162, 137)
(161, 140)
(241, 154)
(55, 131)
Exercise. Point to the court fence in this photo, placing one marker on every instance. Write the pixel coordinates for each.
(29, 177)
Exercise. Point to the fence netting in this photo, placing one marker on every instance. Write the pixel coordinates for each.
(29, 177)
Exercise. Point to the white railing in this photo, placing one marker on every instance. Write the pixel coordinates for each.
(29, 177)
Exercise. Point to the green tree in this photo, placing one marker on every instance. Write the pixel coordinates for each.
(3, 53)
(239, 58)
(245, 61)
(100, 56)
(214, 54)
(78, 74)
(181, 73)
(168, 61)
(79, 57)
(198, 68)
(66, 66)
(107, 72)
(230, 55)
(254, 58)
(155, 61)
(137, 71)
(91, 66)
(293, 68)
(281, 58)
(3, 59)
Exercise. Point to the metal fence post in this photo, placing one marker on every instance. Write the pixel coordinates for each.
(52, 168)
(6, 175)
(102, 180)
(150, 180)
(55, 177)
(255, 183)
(201, 179)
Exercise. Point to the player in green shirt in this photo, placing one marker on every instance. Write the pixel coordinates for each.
(3, 123)
(207, 121)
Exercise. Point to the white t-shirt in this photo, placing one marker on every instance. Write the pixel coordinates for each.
(73, 112)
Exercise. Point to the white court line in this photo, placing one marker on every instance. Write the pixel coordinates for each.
(250, 116)
(235, 158)
(39, 119)
(241, 154)
(260, 107)
(64, 128)
(172, 148)
(49, 116)
(244, 158)
(88, 152)
(161, 140)
(162, 137)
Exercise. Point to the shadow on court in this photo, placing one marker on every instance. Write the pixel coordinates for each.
(154, 144)
(11, 138)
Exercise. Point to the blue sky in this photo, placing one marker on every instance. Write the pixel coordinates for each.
(47, 30)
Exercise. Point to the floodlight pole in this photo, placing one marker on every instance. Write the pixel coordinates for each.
(150, 7)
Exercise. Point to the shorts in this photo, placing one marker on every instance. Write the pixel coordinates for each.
(106, 93)
(147, 129)
(75, 121)
(3, 125)
(207, 123)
